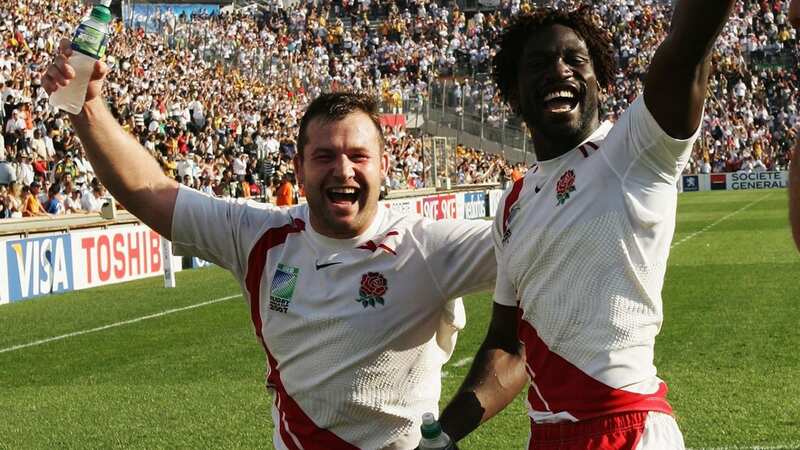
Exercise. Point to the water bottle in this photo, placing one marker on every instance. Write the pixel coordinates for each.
(88, 45)
(433, 438)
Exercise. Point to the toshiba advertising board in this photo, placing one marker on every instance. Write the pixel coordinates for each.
(115, 255)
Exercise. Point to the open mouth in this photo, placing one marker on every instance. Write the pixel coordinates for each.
(561, 101)
(343, 195)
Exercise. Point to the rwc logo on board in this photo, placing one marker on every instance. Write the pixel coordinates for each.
(39, 266)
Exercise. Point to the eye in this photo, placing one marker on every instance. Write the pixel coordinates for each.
(577, 59)
(322, 156)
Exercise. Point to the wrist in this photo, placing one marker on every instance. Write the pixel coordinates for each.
(90, 110)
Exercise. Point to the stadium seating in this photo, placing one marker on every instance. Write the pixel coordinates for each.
(223, 93)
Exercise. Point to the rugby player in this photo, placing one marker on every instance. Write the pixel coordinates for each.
(582, 240)
(794, 168)
(349, 300)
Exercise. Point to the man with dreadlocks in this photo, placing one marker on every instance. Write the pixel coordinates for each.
(582, 240)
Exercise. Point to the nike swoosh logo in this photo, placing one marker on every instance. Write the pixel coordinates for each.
(538, 189)
(322, 266)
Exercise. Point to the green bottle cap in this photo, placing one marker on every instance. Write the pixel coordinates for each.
(101, 13)
(430, 428)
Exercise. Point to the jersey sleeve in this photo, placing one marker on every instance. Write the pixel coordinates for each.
(214, 229)
(640, 151)
(460, 255)
(504, 292)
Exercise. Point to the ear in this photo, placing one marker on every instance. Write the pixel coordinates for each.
(297, 163)
(384, 165)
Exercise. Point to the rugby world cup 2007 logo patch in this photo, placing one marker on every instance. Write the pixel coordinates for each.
(282, 290)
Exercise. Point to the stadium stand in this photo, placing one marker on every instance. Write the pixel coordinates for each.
(217, 98)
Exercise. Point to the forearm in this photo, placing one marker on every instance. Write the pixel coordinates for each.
(696, 24)
(495, 379)
(128, 171)
(675, 87)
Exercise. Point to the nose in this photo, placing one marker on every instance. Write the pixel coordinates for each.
(559, 70)
(343, 169)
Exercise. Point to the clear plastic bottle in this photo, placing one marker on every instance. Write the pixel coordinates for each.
(88, 45)
(433, 438)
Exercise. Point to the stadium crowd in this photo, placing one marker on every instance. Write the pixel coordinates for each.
(217, 98)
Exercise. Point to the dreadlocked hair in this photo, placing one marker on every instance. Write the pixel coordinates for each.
(505, 66)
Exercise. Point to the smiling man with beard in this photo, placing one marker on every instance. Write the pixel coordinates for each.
(350, 301)
(582, 240)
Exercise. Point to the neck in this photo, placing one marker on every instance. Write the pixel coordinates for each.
(547, 147)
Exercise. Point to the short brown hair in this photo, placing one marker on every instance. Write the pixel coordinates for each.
(336, 106)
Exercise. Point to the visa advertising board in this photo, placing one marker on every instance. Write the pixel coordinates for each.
(37, 266)
(57, 263)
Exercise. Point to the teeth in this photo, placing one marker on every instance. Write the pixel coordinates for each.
(343, 190)
(563, 94)
(562, 109)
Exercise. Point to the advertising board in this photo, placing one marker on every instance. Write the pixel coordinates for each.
(36, 266)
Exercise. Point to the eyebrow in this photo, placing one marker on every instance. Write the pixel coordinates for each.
(572, 47)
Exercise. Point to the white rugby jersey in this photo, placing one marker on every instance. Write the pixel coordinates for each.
(356, 331)
(582, 243)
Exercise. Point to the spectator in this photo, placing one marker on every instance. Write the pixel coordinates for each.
(66, 166)
(244, 93)
(72, 199)
(5, 203)
(92, 202)
(285, 193)
(8, 174)
(15, 196)
(25, 173)
(32, 207)
(55, 200)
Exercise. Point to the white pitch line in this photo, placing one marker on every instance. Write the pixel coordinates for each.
(462, 362)
(717, 222)
(117, 324)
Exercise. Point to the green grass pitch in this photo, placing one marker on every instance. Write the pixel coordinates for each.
(194, 378)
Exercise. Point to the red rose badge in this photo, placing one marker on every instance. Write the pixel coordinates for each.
(373, 287)
(566, 184)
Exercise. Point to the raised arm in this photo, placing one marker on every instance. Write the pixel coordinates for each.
(675, 86)
(121, 163)
(497, 375)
